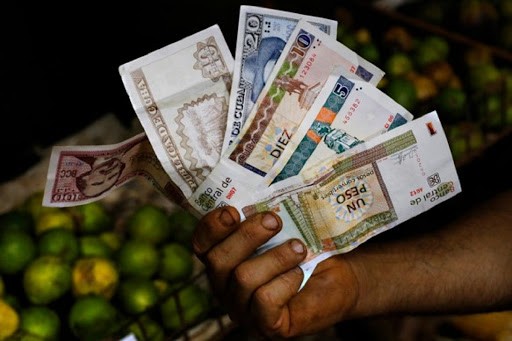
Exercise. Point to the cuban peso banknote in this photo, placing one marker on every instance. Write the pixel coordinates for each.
(180, 94)
(262, 36)
(81, 174)
(339, 204)
(295, 82)
(347, 112)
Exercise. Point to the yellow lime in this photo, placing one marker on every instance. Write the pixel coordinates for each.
(146, 329)
(91, 217)
(58, 218)
(92, 318)
(60, 242)
(137, 294)
(40, 321)
(138, 258)
(46, 279)
(176, 263)
(9, 321)
(189, 306)
(17, 249)
(149, 223)
(94, 246)
(34, 205)
(112, 239)
(94, 275)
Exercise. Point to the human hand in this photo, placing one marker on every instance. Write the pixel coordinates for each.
(261, 291)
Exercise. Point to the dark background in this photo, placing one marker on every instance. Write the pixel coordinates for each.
(59, 66)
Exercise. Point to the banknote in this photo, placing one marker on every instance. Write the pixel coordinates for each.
(262, 35)
(339, 204)
(295, 82)
(180, 94)
(350, 112)
(81, 174)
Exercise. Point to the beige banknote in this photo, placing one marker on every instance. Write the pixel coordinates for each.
(262, 35)
(180, 94)
(339, 204)
(296, 80)
(81, 174)
(350, 112)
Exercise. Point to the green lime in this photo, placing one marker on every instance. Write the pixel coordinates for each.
(176, 263)
(149, 223)
(17, 220)
(137, 294)
(57, 218)
(398, 64)
(113, 239)
(34, 205)
(40, 321)
(9, 321)
(46, 279)
(138, 258)
(403, 92)
(189, 306)
(94, 275)
(59, 242)
(146, 329)
(92, 318)
(91, 217)
(183, 224)
(94, 246)
(370, 52)
(17, 249)
(452, 104)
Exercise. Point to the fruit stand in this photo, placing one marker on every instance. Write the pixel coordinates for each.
(122, 267)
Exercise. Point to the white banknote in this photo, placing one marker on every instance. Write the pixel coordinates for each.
(180, 94)
(262, 35)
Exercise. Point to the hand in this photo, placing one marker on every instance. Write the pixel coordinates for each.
(261, 291)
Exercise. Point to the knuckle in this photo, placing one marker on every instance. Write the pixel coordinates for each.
(242, 276)
(264, 296)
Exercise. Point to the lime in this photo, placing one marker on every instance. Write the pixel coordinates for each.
(149, 223)
(34, 205)
(137, 294)
(176, 263)
(94, 246)
(138, 258)
(452, 104)
(370, 52)
(91, 217)
(10, 320)
(92, 317)
(94, 275)
(40, 321)
(57, 218)
(189, 306)
(112, 239)
(59, 242)
(183, 224)
(17, 220)
(46, 279)
(17, 249)
(398, 64)
(145, 329)
(403, 92)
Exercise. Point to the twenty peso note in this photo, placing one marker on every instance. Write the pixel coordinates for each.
(180, 94)
(262, 35)
(350, 112)
(81, 174)
(339, 204)
(295, 82)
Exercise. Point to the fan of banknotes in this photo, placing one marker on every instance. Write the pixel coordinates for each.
(294, 123)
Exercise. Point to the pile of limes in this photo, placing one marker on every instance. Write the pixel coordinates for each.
(84, 273)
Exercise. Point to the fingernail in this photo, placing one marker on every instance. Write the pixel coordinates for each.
(226, 218)
(270, 222)
(297, 246)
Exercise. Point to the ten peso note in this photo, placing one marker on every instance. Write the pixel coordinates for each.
(180, 94)
(262, 35)
(81, 174)
(339, 204)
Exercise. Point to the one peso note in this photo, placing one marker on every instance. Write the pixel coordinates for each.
(180, 94)
(335, 206)
(295, 82)
(350, 112)
(262, 35)
(81, 174)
